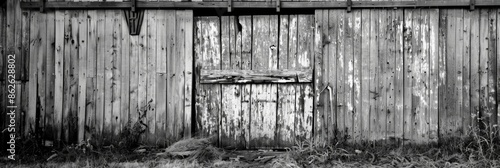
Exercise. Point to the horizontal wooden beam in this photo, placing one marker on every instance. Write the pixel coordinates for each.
(256, 76)
(256, 5)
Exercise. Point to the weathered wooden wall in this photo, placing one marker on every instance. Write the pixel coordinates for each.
(83, 77)
(408, 74)
(415, 74)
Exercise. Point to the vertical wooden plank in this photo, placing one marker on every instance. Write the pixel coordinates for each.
(49, 76)
(382, 82)
(58, 76)
(434, 74)
(286, 93)
(389, 75)
(331, 68)
(246, 64)
(399, 76)
(324, 100)
(466, 111)
(305, 60)
(483, 68)
(292, 64)
(151, 75)
(172, 130)
(498, 74)
(116, 82)
(231, 102)
(107, 132)
(100, 73)
(73, 76)
(91, 74)
(188, 70)
(365, 75)
(142, 48)
(134, 76)
(161, 75)
(179, 71)
(443, 35)
(319, 51)
(209, 96)
(263, 96)
(34, 44)
(66, 66)
(408, 73)
(374, 91)
(25, 52)
(341, 106)
(459, 72)
(357, 106)
(20, 64)
(82, 74)
(349, 71)
(41, 70)
(417, 91)
(474, 68)
(424, 71)
(492, 70)
(125, 72)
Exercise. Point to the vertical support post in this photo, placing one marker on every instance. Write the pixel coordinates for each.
(229, 5)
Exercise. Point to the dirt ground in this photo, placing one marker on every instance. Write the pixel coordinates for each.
(200, 153)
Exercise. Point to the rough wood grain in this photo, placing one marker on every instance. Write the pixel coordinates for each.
(41, 71)
(357, 68)
(364, 122)
(443, 19)
(187, 24)
(483, 68)
(100, 73)
(492, 71)
(124, 50)
(374, 91)
(286, 93)
(434, 74)
(208, 97)
(256, 76)
(58, 74)
(82, 73)
(151, 75)
(341, 106)
(319, 51)
(109, 52)
(91, 74)
(162, 49)
(399, 76)
(389, 75)
(332, 74)
(263, 96)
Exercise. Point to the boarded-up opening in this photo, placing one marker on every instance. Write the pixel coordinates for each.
(274, 112)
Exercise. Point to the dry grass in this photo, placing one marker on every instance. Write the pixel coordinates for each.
(481, 149)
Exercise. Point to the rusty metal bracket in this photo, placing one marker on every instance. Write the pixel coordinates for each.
(278, 5)
(134, 20)
(472, 5)
(229, 5)
(349, 5)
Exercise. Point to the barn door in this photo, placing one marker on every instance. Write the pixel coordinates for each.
(254, 79)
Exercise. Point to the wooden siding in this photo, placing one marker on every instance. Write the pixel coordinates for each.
(430, 73)
(401, 76)
(87, 79)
